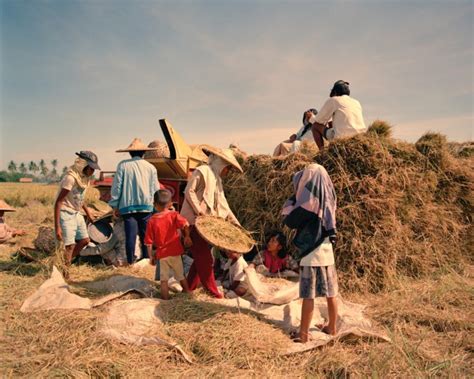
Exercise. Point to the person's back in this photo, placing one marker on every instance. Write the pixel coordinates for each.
(162, 230)
(138, 184)
(340, 116)
(347, 119)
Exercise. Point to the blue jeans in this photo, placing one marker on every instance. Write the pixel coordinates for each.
(135, 224)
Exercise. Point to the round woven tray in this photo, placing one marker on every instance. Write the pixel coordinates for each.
(224, 235)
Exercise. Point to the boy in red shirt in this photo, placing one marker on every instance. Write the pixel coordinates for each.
(162, 232)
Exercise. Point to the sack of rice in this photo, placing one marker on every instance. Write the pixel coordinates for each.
(46, 240)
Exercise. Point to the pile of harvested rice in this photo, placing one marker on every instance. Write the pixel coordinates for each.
(403, 209)
(46, 240)
(223, 234)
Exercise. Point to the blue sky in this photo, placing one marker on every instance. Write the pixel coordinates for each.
(95, 74)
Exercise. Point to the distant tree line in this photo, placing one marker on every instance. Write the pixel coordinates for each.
(39, 172)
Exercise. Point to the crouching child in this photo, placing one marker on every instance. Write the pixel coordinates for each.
(235, 267)
(163, 232)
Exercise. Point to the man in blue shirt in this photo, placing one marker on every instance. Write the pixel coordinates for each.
(135, 183)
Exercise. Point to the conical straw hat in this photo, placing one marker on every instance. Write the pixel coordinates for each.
(136, 145)
(5, 207)
(225, 154)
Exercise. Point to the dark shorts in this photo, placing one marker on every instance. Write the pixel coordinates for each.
(318, 282)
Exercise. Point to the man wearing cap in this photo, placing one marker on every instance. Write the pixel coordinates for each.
(69, 223)
(340, 116)
(135, 183)
(6, 231)
(204, 195)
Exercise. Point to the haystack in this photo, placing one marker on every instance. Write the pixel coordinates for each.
(403, 209)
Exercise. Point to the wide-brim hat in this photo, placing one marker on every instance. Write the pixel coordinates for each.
(136, 145)
(225, 154)
(5, 207)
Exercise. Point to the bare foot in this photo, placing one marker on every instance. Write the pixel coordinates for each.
(325, 329)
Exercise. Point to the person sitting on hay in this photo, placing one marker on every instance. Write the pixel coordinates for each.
(340, 116)
(292, 144)
(312, 212)
(234, 271)
(204, 195)
(6, 231)
(69, 223)
(275, 259)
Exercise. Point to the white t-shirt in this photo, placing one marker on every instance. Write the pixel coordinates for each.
(236, 269)
(346, 115)
(74, 200)
(323, 255)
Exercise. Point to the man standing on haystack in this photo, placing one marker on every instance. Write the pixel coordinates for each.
(204, 195)
(135, 183)
(340, 116)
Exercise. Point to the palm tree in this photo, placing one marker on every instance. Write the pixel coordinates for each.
(43, 169)
(12, 166)
(33, 167)
(65, 170)
(23, 168)
(54, 163)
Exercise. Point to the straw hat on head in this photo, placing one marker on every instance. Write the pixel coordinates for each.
(225, 154)
(5, 207)
(136, 145)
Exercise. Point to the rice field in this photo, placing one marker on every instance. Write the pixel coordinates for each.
(429, 319)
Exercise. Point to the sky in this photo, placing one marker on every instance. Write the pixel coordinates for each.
(92, 75)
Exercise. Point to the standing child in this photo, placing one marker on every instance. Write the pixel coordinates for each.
(235, 266)
(162, 232)
(312, 212)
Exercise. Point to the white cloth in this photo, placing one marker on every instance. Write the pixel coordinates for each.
(236, 269)
(322, 256)
(74, 200)
(346, 115)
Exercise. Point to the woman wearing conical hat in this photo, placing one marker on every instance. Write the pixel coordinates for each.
(135, 183)
(6, 231)
(204, 195)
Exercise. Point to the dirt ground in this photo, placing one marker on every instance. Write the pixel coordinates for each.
(430, 322)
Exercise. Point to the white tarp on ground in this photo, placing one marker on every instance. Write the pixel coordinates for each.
(135, 321)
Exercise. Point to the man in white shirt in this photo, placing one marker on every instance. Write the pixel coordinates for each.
(340, 116)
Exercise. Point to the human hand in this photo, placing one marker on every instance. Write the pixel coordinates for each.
(152, 261)
(188, 242)
(116, 212)
(19, 232)
(59, 234)
(292, 138)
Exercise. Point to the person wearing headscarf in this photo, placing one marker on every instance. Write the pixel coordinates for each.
(293, 143)
(135, 183)
(6, 231)
(204, 195)
(340, 116)
(312, 212)
(69, 223)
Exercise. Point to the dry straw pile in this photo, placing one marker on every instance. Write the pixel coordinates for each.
(223, 234)
(403, 209)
